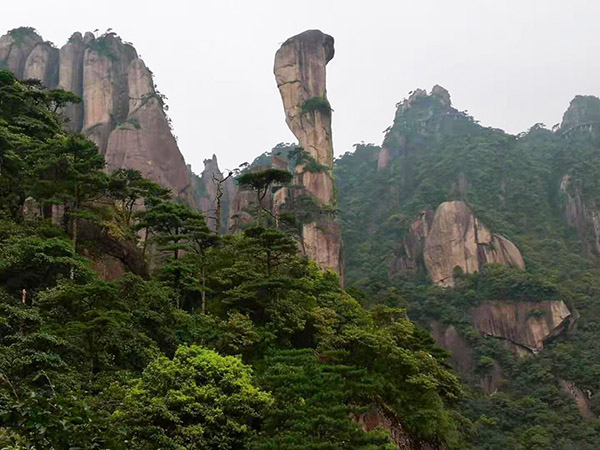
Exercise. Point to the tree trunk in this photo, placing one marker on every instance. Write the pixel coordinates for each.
(203, 290)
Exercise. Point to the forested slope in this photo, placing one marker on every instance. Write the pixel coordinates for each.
(191, 339)
(538, 191)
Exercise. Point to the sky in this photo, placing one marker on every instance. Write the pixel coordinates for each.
(510, 63)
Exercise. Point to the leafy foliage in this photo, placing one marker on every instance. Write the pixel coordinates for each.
(434, 153)
(199, 354)
(320, 104)
(197, 400)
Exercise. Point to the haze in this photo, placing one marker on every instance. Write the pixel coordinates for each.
(510, 64)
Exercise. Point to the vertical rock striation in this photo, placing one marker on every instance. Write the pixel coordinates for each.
(42, 64)
(301, 78)
(121, 110)
(15, 47)
(143, 140)
(70, 77)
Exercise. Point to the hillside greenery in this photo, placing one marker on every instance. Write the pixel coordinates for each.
(202, 341)
(513, 184)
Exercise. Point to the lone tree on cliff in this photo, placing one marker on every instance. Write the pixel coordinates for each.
(260, 182)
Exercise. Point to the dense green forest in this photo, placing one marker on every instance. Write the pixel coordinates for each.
(516, 186)
(204, 341)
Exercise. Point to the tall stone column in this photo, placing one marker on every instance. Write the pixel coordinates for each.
(301, 78)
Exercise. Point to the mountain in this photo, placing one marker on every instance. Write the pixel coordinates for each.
(121, 109)
(199, 340)
(490, 241)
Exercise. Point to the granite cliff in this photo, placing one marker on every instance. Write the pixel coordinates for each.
(578, 191)
(451, 238)
(121, 109)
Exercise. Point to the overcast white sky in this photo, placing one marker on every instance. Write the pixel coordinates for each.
(509, 63)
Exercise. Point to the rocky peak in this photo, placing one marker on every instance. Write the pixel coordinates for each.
(211, 166)
(418, 117)
(583, 113)
(15, 47)
(441, 93)
(120, 110)
(436, 101)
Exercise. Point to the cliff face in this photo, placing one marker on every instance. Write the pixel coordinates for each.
(581, 213)
(42, 64)
(458, 239)
(452, 237)
(301, 78)
(70, 76)
(580, 198)
(524, 327)
(525, 324)
(121, 110)
(15, 47)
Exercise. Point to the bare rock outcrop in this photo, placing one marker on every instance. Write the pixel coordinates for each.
(70, 76)
(451, 237)
(401, 439)
(301, 78)
(458, 239)
(120, 110)
(581, 213)
(525, 324)
(582, 400)
(15, 47)
(42, 64)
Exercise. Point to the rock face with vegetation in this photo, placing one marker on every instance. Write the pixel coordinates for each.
(578, 188)
(450, 239)
(491, 241)
(301, 78)
(226, 342)
(121, 109)
(15, 48)
(457, 239)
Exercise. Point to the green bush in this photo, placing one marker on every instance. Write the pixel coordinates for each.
(320, 104)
